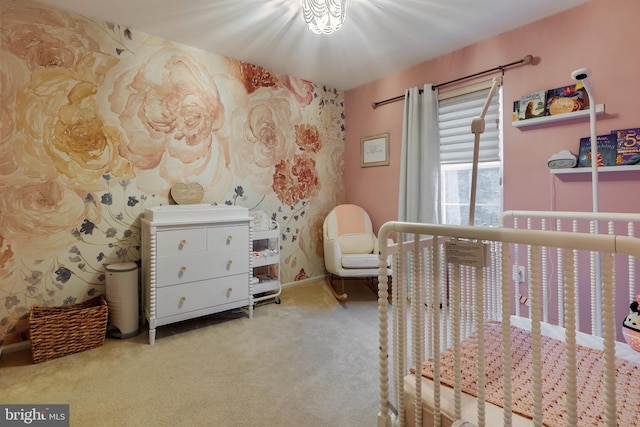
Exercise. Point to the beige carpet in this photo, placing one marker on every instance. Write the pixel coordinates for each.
(309, 361)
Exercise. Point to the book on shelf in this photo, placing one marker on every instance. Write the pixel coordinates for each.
(628, 146)
(607, 147)
(566, 99)
(516, 111)
(532, 105)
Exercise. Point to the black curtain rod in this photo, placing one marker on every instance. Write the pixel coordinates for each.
(526, 60)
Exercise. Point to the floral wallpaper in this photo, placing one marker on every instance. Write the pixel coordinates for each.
(98, 121)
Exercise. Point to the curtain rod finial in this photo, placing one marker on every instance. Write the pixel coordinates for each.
(527, 59)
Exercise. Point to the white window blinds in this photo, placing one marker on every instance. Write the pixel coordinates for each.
(456, 109)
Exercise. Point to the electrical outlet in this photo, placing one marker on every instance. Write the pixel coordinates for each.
(518, 273)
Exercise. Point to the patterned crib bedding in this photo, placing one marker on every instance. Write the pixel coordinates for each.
(589, 376)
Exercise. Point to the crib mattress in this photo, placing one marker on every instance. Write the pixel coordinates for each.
(493, 413)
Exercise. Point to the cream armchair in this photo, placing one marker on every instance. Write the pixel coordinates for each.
(350, 247)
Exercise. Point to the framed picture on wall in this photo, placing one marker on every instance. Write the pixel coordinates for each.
(374, 150)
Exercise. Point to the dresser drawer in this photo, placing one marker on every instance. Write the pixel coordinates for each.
(230, 262)
(188, 240)
(228, 238)
(188, 297)
(184, 268)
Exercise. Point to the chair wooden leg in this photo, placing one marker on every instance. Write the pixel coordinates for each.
(339, 297)
(373, 285)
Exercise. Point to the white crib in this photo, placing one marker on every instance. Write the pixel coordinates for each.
(456, 278)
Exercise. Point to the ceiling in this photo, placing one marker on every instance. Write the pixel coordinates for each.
(379, 37)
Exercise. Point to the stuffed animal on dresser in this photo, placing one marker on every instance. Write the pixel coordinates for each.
(631, 325)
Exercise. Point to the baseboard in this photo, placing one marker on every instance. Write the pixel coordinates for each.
(23, 345)
(304, 281)
(12, 348)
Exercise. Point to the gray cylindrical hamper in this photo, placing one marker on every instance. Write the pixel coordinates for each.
(121, 284)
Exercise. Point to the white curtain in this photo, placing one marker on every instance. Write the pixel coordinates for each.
(419, 199)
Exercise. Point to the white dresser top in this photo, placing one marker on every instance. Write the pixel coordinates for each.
(195, 212)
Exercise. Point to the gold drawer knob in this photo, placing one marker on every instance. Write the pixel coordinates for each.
(230, 262)
(183, 299)
(183, 269)
(229, 290)
(183, 242)
(229, 239)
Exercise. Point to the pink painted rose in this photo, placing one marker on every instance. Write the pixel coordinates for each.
(13, 75)
(301, 275)
(172, 117)
(47, 37)
(302, 89)
(64, 132)
(264, 134)
(252, 77)
(308, 138)
(295, 180)
(38, 219)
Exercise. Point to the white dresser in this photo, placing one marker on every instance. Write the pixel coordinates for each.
(195, 261)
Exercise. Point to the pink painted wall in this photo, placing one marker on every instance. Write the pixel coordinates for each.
(601, 35)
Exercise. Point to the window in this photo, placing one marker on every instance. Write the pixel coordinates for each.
(456, 110)
(456, 194)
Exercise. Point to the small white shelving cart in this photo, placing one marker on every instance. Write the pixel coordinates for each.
(265, 264)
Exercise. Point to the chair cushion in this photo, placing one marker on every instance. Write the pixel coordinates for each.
(351, 219)
(360, 261)
(355, 243)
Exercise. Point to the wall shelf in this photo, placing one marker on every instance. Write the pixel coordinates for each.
(557, 118)
(621, 168)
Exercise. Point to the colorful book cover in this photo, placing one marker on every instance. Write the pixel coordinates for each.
(532, 105)
(628, 145)
(607, 150)
(566, 99)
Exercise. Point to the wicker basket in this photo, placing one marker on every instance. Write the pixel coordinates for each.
(58, 331)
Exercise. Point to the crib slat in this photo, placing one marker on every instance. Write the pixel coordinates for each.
(506, 339)
(609, 336)
(570, 340)
(417, 323)
(480, 379)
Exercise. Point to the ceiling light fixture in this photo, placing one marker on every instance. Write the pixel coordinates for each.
(324, 16)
